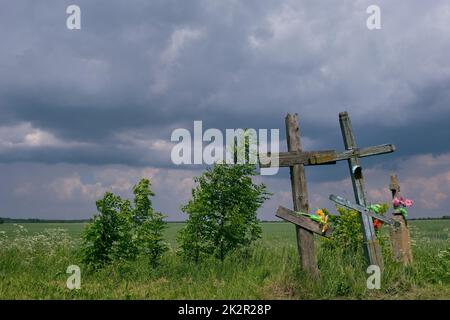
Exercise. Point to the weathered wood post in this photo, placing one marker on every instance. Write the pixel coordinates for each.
(372, 248)
(400, 238)
(305, 238)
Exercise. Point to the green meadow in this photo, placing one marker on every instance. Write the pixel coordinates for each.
(35, 256)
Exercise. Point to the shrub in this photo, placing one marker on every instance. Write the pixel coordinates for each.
(222, 212)
(121, 231)
(347, 233)
(104, 239)
(2, 221)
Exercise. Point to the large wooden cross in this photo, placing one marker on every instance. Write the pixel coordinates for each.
(372, 247)
(296, 159)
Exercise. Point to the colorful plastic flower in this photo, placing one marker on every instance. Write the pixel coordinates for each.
(320, 213)
(403, 211)
(396, 202)
(377, 224)
(408, 203)
(320, 217)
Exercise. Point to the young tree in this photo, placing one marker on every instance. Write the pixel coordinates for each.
(222, 212)
(142, 202)
(122, 232)
(108, 235)
(149, 223)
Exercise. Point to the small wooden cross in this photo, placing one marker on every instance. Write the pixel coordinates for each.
(400, 238)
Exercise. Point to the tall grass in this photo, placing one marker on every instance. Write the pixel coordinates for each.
(32, 266)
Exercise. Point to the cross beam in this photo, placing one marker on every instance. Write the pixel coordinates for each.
(310, 158)
(301, 221)
(363, 210)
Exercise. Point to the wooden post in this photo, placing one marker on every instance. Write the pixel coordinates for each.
(372, 248)
(305, 238)
(400, 238)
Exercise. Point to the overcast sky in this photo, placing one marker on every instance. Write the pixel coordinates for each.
(90, 110)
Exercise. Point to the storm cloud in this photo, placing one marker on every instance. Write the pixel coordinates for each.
(90, 110)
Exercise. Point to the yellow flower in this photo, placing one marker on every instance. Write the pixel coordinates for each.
(320, 213)
(323, 219)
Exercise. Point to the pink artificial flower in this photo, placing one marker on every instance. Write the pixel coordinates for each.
(402, 202)
(408, 203)
(396, 202)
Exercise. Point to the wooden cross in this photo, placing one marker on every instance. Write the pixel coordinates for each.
(400, 238)
(372, 247)
(296, 159)
(305, 228)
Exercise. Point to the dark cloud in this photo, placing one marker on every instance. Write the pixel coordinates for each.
(111, 93)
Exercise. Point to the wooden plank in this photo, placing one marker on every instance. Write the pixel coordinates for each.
(310, 158)
(365, 152)
(400, 237)
(289, 159)
(301, 221)
(345, 203)
(372, 248)
(305, 238)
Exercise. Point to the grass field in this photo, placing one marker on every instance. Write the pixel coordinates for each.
(33, 266)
